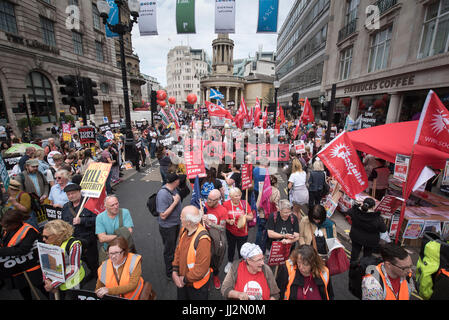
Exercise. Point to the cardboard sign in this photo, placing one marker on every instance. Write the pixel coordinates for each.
(279, 253)
(52, 261)
(247, 176)
(388, 205)
(300, 146)
(413, 229)
(86, 135)
(401, 167)
(94, 179)
(52, 213)
(394, 226)
(10, 265)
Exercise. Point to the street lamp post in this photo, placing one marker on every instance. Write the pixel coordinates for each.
(121, 29)
(277, 85)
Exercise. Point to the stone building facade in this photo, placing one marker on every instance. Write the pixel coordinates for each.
(39, 41)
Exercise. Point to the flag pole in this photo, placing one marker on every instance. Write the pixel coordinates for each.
(82, 206)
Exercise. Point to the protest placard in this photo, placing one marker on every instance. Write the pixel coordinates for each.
(279, 252)
(94, 179)
(388, 205)
(86, 134)
(401, 167)
(413, 229)
(194, 159)
(82, 295)
(52, 213)
(394, 226)
(66, 132)
(10, 265)
(445, 181)
(52, 261)
(247, 176)
(300, 146)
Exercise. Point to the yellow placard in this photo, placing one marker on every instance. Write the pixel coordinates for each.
(94, 179)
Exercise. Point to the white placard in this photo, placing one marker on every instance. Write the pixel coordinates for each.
(52, 261)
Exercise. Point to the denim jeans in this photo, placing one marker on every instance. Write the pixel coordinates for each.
(153, 150)
(261, 236)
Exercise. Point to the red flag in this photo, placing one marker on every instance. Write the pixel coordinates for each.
(295, 134)
(307, 115)
(266, 194)
(341, 159)
(265, 119)
(257, 113)
(280, 117)
(244, 109)
(433, 127)
(217, 111)
(96, 205)
(241, 115)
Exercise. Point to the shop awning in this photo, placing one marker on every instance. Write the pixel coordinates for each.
(388, 140)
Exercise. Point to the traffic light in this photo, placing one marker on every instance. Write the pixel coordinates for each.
(72, 89)
(89, 95)
(295, 100)
(153, 101)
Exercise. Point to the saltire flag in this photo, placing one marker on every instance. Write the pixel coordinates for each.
(165, 119)
(307, 115)
(433, 126)
(257, 113)
(218, 111)
(215, 94)
(341, 158)
(175, 117)
(96, 205)
(196, 194)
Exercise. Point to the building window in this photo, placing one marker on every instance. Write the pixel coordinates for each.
(99, 51)
(104, 87)
(77, 39)
(7, 17)
(73, 3)
(40, 95)
(96, 17)
(345, 63)
(351, 11)
(435, 35)
(48, 31)
(379, 50)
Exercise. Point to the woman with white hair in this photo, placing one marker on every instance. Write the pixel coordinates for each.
(250, 278)
(57, 196)
(239, 213)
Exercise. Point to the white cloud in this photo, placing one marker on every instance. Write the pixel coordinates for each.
(153, 50)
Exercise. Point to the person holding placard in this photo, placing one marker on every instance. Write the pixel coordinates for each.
(283, 226)
(84, 226)
(18, 241)
(304, 276)
(60, 233)
(239, 213)
(250, 278)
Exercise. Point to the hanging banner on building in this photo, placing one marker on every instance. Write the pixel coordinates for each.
(87, 135)
(52, 261)
(94, 179)
(66, 132)
(268, 16)
(401, 167)
(185, 16)
(224, 16)
(112, 18)
(147, 18)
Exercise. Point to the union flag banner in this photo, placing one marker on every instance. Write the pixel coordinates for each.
(341, 159)
(165, 119)
(433, 127)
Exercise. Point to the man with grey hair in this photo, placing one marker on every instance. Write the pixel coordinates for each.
(191, 265)
(283, 225)
(109, 221)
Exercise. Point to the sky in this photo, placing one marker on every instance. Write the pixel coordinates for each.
(153, 50)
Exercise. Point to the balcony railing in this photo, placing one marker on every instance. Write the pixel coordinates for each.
(384, 5)
(349, 29)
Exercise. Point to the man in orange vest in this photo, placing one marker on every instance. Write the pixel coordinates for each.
(391, 279)
(191, 265)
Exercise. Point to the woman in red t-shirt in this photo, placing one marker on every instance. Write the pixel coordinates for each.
(236, 236)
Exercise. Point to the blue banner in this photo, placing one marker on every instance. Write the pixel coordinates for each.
(112, 19)
(268, 16)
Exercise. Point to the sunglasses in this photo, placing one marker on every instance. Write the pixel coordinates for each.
(45, 237)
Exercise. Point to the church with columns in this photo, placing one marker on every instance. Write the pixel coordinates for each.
(233, 87)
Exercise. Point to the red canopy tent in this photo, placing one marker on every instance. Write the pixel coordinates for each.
(387, 141)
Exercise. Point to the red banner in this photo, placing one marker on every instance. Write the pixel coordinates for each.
(345, 166)
(388, 205)
(247, 176)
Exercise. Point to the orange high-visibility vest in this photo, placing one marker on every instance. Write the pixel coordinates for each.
(291, 268)
(191, 256)
(18, 237)
(388, 292)
(107, 276)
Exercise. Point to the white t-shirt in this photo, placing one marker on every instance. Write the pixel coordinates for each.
(299, 193)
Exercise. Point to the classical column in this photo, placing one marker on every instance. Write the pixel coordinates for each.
(227, 94)
(354, 108)
(394, 109)
(236, 96)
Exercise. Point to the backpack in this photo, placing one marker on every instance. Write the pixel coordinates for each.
(151, 203)
(206, 189)
(433, 257)
(218, 246)
(357, 270)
